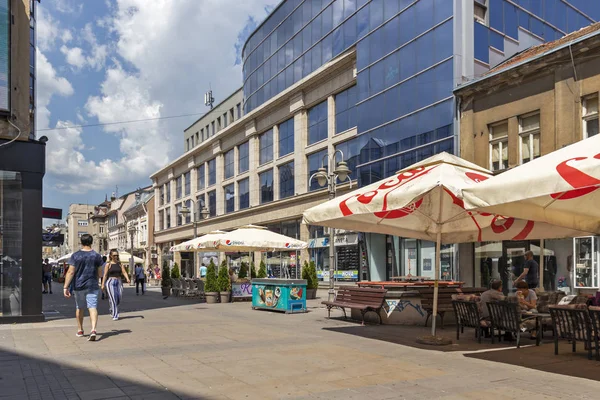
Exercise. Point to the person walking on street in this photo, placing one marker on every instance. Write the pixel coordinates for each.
(102, 275)
(85, 267)
(140, 278)
(113, 271)
(530, 271)
(47, 276)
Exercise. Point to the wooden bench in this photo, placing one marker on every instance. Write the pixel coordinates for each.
(444, 300)
(363, 299)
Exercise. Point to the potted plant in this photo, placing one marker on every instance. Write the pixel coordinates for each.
(252, 270)
(262, 270)
(224, 283)
(243, 271)
(309, 272)
(165, 282)
(175, 274)
(211, 290)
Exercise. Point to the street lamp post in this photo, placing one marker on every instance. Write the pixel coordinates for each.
(132, 232)
(184, 212)
(330, 177)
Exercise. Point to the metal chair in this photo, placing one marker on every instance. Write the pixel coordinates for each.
(573, 323)
(467, 315)
(506, 316)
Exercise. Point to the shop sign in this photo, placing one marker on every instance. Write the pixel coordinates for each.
(347, 239)
(350, 274)
(241, 289)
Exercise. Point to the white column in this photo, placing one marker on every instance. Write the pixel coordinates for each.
(253, 151)
(300, 140)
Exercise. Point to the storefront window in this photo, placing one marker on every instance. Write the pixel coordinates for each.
(558, 265)
(11, 229)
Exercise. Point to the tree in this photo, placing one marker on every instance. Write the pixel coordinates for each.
(313, 282)
(166, 275)
(262, 270)
(252, 270)
(211, 278)
(223, 281)
(243, 271)
(175, 273)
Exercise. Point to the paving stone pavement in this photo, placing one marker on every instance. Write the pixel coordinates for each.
(187, 350)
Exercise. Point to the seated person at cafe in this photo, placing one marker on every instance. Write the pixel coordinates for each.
(528, 302)
(493, 294)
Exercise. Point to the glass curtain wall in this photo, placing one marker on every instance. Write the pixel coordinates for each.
(11, 233)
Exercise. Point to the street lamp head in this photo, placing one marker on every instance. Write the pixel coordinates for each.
(342, 171)
(184, 211)
(321, 176)
(204, 213)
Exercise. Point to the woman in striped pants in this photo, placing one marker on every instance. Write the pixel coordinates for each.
(111, 281)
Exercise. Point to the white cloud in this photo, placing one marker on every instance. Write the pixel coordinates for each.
(49, 31)
(74, 56)
(67, 6)
(171, 56)
(48, 85)
(66, 36)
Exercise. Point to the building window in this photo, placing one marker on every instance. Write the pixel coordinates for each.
(239, 110)
(590, 116)
(188, 144)
(178, 188)
(499, 146)
(219, 126)
(225, 120)
(213, 129)
(345, 110)
(231, 115)
(168, 192)
(168, 217)
(200, 203)
(266, 147)
(480, 11)
(82, 222)
(197, 138)
(229, 198)
(315, 161)
(161, 195)
(178, 215)
(244, 157)
(192, 141)
(266, 186)
(201, 178)
(187, 179)
(207, 131)
(244, 193)
(317, 123)
(212, 203)
(229, 161)
(529, 138)
(202, 134)
(212, 172)
(188, 217)
(286, 137)
(286, 180)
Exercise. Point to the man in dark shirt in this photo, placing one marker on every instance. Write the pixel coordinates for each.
(530, 271)
(85, 269)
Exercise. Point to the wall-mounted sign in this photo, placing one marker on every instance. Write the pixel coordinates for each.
(52, 239)
(51, 213)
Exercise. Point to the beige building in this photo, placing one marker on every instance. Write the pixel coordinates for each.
(138, 218)
(256, 170)
(78, 223)
(538, 101)
(99, 223)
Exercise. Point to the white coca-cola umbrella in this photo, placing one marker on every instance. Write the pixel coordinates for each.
(561, 188)
(424, 201)
(253, 238)
(195, 245)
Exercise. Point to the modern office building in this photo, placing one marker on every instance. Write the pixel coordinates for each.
(535, 103)
(374, 78)
(22, 167)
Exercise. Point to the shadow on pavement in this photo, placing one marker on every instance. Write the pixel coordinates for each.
(25, 377)
(132, 317)
(542, 358)
(56, 306)
(114, 332)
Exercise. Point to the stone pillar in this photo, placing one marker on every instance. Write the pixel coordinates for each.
(304, 236)
(300, 140)
(220, 165)
(253, 182)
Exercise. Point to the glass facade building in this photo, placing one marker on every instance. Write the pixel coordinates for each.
(410, 55)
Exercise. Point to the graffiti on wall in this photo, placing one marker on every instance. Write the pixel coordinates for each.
(402, 305)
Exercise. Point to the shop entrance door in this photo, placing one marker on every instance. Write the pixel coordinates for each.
(511, 264)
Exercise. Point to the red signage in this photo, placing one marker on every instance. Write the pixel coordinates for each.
(51, 213)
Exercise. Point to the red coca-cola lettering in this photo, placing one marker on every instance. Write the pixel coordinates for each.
(582, 182)
(525, 232)
(401, 212)
(504, 225)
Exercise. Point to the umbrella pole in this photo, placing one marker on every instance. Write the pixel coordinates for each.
(438, 246)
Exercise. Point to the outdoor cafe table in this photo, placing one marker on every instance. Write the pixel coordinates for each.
(538, 323)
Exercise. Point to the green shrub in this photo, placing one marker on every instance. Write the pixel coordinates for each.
(309, 272)
(262, 270)
(166, 275)
(243, 271)
(211, 278)
(175, 273)
(223, 281)
(252, 270)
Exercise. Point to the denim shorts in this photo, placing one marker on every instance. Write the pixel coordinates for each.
(87, 296)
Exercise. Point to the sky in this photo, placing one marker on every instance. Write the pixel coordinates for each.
(107, 61)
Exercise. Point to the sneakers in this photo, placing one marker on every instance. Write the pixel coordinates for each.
(79, 334)
(115, 318)
(92, 337)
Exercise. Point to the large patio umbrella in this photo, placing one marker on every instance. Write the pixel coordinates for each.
(561, 188)
(194, 245)
(423, 201)
(252, 238)
(64, 259)
(125, 258)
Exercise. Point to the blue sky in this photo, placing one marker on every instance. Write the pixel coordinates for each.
(121, 60)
